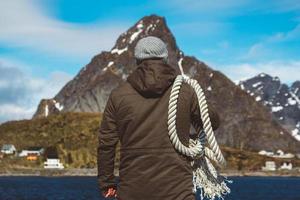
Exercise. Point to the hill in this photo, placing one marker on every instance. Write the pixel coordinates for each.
(74, 135)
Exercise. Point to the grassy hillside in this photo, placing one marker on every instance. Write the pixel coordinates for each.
(251, 161)
(76, 137)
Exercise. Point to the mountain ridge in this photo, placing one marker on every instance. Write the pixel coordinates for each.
(281, 100)
(240, 115)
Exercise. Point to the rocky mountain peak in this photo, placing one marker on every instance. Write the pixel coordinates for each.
(110, 68)
(149, 25)
(282, 100)
(46, 107)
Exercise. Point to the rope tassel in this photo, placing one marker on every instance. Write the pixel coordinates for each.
(205, 176)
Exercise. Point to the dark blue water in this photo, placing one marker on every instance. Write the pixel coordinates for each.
(81, 188)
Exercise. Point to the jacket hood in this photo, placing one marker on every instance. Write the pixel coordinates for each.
(152, 77)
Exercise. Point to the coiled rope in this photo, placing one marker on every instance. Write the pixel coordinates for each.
(205, 177)
(195, 149)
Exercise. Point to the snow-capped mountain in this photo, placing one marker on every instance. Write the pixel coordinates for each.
(240, 115)
(295, 88)
(282, 101)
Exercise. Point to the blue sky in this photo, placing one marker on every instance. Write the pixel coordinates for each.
(44, 43)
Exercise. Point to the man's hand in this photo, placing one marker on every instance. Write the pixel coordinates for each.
(111, 192)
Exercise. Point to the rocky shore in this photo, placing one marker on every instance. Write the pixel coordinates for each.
(93, 172)
(48, 172)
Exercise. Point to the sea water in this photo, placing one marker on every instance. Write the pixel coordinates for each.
(81, 188)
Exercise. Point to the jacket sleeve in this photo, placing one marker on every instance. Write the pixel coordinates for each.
(196, 120)
(108, 139)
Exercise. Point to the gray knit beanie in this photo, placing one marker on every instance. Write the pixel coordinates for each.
(150, 47)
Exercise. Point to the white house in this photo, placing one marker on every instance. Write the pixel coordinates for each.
(53, 163)
(269, 166)
(8, 149)
(281, 154)
(266, 153)
(278, 154)
(286, 166)
(32, 150)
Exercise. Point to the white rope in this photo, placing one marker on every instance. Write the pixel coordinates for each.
(195, 148)
(205, 177)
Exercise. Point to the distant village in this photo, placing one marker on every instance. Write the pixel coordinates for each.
(33, 153)
(271, 165)
(52, 161)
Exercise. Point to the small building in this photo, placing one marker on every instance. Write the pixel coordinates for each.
(278, 154)
(52, 159)
(32, 156)
(8, 149)
(286, 166)
(266, 153)
(281, 154)
(53, 163)
(32, 150)
(269, 166)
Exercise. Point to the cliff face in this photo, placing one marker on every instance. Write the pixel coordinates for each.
(282, 101)
(246, 124)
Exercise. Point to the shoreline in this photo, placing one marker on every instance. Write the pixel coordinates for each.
(93, 172)
(261, 173)
(49, 172)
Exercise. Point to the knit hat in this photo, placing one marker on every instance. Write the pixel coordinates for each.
(150, 47)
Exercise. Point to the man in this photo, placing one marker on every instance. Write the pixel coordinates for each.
(136, 114)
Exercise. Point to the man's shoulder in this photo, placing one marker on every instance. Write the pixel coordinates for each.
(121, 89)
(120, 92)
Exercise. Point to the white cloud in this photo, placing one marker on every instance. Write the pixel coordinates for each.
(256, 51)
(269, 45)
(21, 92)
(288, 36)
(279, 37)
(287, 71)
(24, 24)
(12, 111)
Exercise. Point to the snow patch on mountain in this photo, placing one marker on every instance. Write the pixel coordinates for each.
(262, 75)
(296, 134)
(256, 84)
(258, 98)
(276, 108)
(46, 110)
(136, 34)
(295, 98)
(282, 100)
(119, 51)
